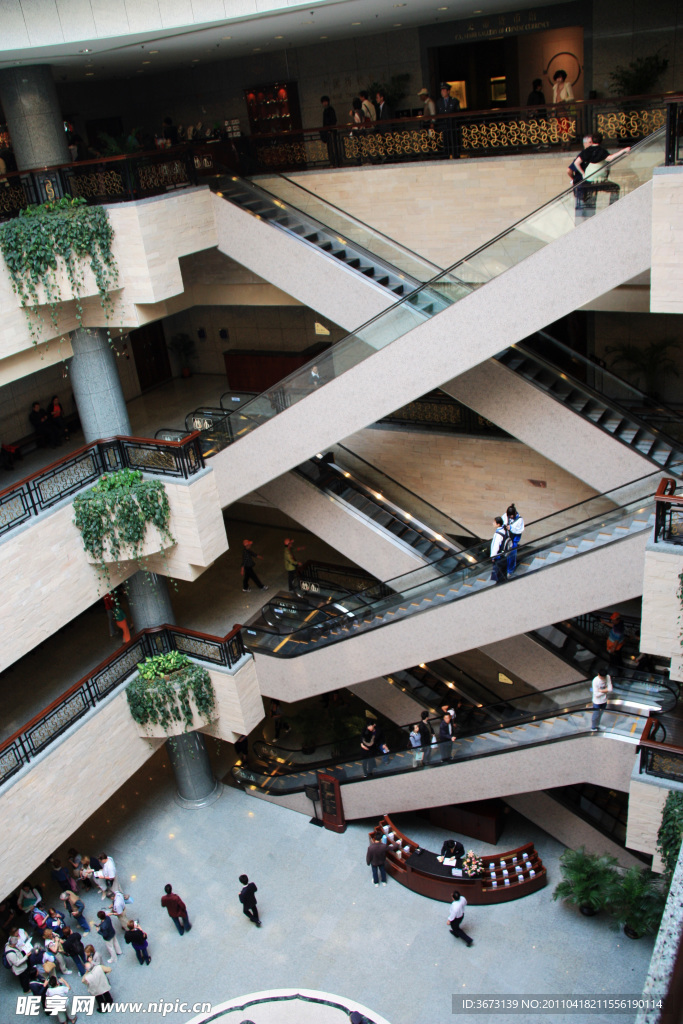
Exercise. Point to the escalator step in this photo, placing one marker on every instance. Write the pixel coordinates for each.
(399, 290)
(368, 271)
(298, 230)
(355, 263)
(384, 281)
(314, 237)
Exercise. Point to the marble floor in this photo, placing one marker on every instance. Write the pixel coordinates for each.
(325, 926)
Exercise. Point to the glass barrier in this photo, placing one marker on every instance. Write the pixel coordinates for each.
(540, 228)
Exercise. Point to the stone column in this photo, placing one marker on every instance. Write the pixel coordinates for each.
(97, 386)
(35, 122)
(150, 605)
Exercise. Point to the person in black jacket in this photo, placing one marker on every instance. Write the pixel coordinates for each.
(329, 121)
(136, 938)
(73, 947)
(44, 426)
(447, 104)
(452, 848)
(376, 857)
(249, 557)
(446, 738)
(247, 897)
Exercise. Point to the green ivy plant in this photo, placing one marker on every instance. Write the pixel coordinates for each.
(116, 513)
(671, 831)
(165, 686)
(44, 239)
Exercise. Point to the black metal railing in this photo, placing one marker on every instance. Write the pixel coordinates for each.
(657, 757)
(46, 488)
(438, 411)
(674, 131)
(323, 578)
(668, 513)
(599, 627)
(43, 729)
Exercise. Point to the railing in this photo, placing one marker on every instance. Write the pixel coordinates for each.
(44, 489)
(25, 744)
(657, 757)
(674, 131)
(438, 411)
(668, 513)
(323, 577)
(599, 627)
(475, 133)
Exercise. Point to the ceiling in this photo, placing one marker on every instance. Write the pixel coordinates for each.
(172, 49)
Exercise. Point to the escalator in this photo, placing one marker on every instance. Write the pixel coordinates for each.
(571, 560)
(448, 325)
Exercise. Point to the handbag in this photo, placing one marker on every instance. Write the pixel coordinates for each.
(106, 969)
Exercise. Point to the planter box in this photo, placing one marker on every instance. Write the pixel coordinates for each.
(153, 544)
(177, 728)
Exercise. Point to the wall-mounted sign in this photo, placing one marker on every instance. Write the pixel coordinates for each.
(331, 806)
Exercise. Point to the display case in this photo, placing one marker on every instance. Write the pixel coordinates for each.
(273, 108)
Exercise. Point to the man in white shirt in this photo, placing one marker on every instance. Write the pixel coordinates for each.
(515, 526)
(457, 912)
(109, 871)
(601, 686)
(498, 541)
(118, 907)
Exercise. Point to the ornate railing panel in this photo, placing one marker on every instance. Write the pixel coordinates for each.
(37, 493)
(89, 691)
(668, 513)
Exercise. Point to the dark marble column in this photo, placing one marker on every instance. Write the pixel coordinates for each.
(29, 101)
(97, 385)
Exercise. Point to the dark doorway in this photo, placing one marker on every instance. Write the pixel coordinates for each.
(112, 126)
(488, 68)
(151, 356)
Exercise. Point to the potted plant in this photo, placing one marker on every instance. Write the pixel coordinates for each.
(171, 695)
(637, 902)
(648, 365)
(671, 831)
(588, 880)
(472, 865)
(183, 347)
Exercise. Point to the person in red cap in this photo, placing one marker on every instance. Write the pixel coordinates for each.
(615, 637)
(291, 564)
(249, 557)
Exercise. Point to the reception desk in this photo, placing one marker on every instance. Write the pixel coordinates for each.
(424, 874)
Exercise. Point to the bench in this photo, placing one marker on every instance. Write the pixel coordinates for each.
(17, 449)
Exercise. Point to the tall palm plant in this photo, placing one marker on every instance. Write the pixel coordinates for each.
(637, 902)
(588, 880)
(645, 364)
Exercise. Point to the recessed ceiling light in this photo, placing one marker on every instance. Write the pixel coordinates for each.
(323, 37)
(226, 37)
(146, 62)
(141, 71)
(89, 74)
(279, 37)
(355, 23)
(398, 24)
(85, 51)
(442, 8)
(153, 51)
(257, 49)
(195, 60)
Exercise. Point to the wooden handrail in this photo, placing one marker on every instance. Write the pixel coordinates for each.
(91, 444)
(667, 492)
(182, 147)
(107, 661)
(645, 740)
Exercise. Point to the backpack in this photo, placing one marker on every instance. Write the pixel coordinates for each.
(506, 544)
(5, 960)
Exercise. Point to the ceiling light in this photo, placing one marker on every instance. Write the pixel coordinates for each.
(399, 5)
(257, 49)
(442, 8)
(146, 62)
(85, 51)
(398, 24)
(195, 60)
(355, 23)
(141, 71)
(226, 37)
(279, 37)
(89, 74)
(323, 37)
(153, 51)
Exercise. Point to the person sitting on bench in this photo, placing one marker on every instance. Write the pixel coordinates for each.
(55, 411)
(44, 426)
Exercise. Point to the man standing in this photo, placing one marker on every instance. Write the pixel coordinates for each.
(515, 527)
(446, 738)
(448, 104)
(43, 425)
(291, 564)
(17, 958)
(177, 910)
(108, 936)
(601, 686)
(376, 857)
(109, 871)
(368, 746)
(367, 106)
(329, 121)
(456, 915)
(427, 736)
(247, 897)
(249, 557)
(499, 548)
(118, 907)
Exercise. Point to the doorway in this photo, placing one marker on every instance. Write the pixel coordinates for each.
(151, 355)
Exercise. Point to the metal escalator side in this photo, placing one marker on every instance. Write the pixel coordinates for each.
(550, 222)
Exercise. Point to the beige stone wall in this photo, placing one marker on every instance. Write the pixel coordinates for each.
(645, 805)
(471, 479)
(48, 579)
(660, 631)
(667, 241)
(89, 771)
(239, 704)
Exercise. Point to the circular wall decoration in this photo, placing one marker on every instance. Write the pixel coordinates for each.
(564, 61)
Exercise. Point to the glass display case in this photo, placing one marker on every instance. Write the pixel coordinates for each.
(273, 108)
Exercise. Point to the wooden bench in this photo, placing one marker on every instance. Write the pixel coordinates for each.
(17, 449)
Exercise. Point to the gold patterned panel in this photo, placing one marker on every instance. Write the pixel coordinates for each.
(12, 511)
(160, 459)
(441, 413)
(161, 175)
(98, 183)
(117, 672)
(316, 151)
(65, 479)
(283, 153)
(9, 762)
(374, 145)
(670, 765)
(199, 648)
(11, 199)
(59, 719)
(539, 131)
(630, 124)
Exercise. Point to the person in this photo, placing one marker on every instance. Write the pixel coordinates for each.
(499, 546)
(315, 380)
(97, 983)
(429, 107)
(61, 875)
(592, 162)
(74, 860)
(515, 527)
(92, 955)
(17, 958)
(7, 918)
(117, 907)
(384, 113)
(248, 563)
(44, 426)
(247, 897)
(376, 857)
(72, 945)
(56, 999)
(242, 748)
(536, 97)
(329, 137)
(177, 910)
(562, 93)
(108, 602)
(368, 746)
(615, 638)
(170, 132)
(109, 867)
(427, 736)
(91, 871)
(76, 907)
(54, 947)
(574, 173)
(455, 917)
(136, 938)
(446, 737)
(448, 104)
(452, 848)
(107, 933)
(55, 920)
(27, 898)
(601, 686)
(56, 411)
(291, 564)
(367, 106)
(358, 120)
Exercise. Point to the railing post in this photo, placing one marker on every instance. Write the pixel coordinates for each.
(672, 109)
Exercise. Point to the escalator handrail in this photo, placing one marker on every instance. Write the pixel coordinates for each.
(384, 772)
(449, 271)
(463, 529)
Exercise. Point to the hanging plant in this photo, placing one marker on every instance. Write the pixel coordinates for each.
(670, 832)
(63, 236)
(113, 516)
(169, 690)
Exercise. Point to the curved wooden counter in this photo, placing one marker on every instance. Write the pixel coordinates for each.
(423, 873)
